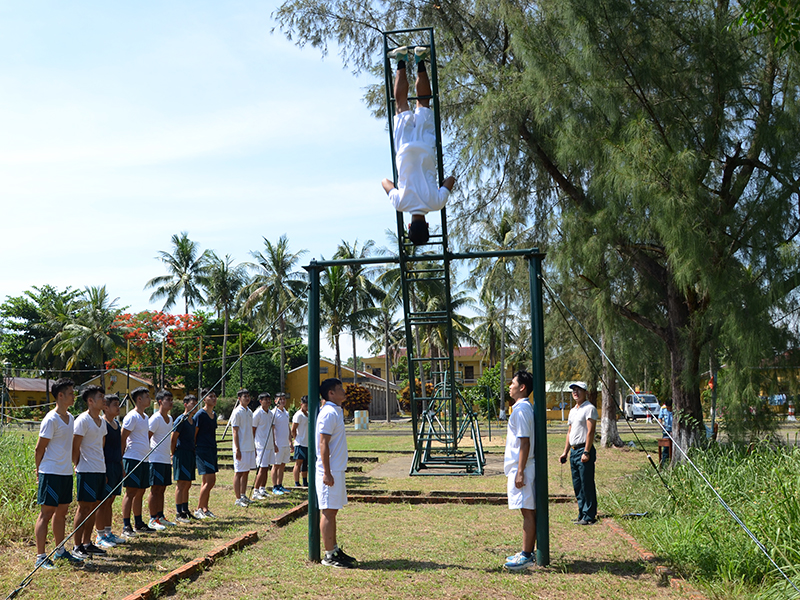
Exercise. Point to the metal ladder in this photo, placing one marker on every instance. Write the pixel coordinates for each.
(442, 418)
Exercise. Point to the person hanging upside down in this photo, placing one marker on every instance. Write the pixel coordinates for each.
(415, 141)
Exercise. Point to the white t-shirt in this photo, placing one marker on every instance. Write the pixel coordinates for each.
(282, 433)
(92, 458)
(57, 459)
(331, 422)
(577, 422)
(160, 429)
(138, 443)
(520, 425)
(302, 428)
(262, 421)
(415, 140)
(242, 419)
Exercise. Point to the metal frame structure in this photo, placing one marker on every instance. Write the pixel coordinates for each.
(444, 418)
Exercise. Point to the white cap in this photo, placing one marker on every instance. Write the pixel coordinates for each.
(579, 384)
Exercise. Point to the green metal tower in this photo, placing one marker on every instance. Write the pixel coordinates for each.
(440, 417)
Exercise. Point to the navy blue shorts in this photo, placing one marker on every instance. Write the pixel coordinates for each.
(160, 474)
(54, 489)
(138, 477)
(90, 486)
(183, 465)
(113, 477)
(206, 461)
(301, 453)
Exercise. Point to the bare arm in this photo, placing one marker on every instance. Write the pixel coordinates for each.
(173, 442)
(325, 456)
(591, 426)
(448, 183)
(123, 437)
(388, 186)
(38, 453)
(76, 449)
(236, 448)
(524, 449)
(563, 457)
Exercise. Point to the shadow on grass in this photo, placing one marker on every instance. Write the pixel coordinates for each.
(408, 565)
(615, 567)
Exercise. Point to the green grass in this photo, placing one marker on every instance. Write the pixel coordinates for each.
(18, 485)
(694, 532)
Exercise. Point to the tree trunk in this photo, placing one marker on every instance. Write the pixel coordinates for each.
(282, 324)
(338, 358)
(224, 349)
(503, 355)
(609, 436)
(355, 360)
(386, 364)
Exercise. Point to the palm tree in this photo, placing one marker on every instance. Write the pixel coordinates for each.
(495, 277)
(223, 282)
(335, 306)
(92, 335)
(273, 293)
(387, 333)
(186, 271)
(363, 292)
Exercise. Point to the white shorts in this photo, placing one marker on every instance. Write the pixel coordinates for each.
(264, 457)
(246, 463)
(334, 496)
(415, 128)
(282, 456)
(521, 497)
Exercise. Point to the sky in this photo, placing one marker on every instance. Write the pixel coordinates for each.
(123, 123)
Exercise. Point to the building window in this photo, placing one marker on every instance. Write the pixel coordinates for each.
(323, 369)
(469, 372)
(376, 372)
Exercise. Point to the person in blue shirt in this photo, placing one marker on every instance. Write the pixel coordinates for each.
(665, 418)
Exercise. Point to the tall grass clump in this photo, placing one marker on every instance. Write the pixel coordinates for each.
(693, 532)
(18, 509)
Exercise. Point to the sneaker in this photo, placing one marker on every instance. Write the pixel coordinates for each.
(344, 556)
(182, 519)
(512, 557)
(155, 525)
(93, 550)
(399, 54)
(209, 514)
(145, 529)
(337, 560)
(128, 532)
(192, 516)
(296, 484)
(115, 539)
(283, 489)
(421, 53)
(241, 502)
(103, 542)
(70, 558)
(587, 522)
(42, 562)
(80, 552)
(258, 495)
(199, 514)
(519, 562)
(276, 491)
(246, 500)
(165, 522)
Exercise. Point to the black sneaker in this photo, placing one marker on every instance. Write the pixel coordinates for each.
(144, 529)
(337, 560)
(128, 532)
(80, 552)
(347, 557)
(93, 550)
(190, 515)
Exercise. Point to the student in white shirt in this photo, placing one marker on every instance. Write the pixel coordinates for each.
(283, 440)
(53, 459)
(160, 426)
(244, 448)
(135, 439)
(266, 448)
(300, 437)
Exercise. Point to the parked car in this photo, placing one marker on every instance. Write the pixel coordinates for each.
(636, 406)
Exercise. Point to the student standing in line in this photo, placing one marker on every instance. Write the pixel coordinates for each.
(184, 459)
(266, 448)
(300, 437)
(90, 468)
(160, 461)
(136, 443)
(112, 453)
(205, 439)
(244, 448)
(283, 439)
(53, 459)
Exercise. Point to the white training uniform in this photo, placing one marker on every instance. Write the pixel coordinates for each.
(262, 421)
(57, 459)
(520, 425)
(92, 459)
(330, 421)
(160, 429)
(138, 443)
(242, 419)
(301, 439)
(577, 422)
(282, 436)
(415, 140)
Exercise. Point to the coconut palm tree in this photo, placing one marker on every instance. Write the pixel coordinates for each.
(272, 296)
(186, 268)
(223, 281)
(363, 291)
(335, 305)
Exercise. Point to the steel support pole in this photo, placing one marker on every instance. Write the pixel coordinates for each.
(313, 410)
(540, 413)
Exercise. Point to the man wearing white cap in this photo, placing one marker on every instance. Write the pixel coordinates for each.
(582, 455)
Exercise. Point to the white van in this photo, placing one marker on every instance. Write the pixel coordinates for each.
(636, 406)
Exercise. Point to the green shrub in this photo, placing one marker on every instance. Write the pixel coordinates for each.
(18, 484)
(760, 483)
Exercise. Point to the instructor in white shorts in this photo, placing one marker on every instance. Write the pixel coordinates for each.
(244, 448)
(415, 142)
(331, 465)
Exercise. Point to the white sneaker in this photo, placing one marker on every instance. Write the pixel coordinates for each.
(165, 522)
(154, 524)
(200, 514)
(257, 495)
(240, 502)
(103, 542)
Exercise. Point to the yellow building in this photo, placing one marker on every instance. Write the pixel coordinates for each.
(115, 381)
(24, 391)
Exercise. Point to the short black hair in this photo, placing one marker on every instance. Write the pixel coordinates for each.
(264, 396)
(90, 391)
(326, 386)
(668, 402)
(242, 392)
(418, 232)
(59, 385)
(189, 398)
(304, 400)
(205, 392)
(161, 394)
(525, 379)
(138, 392)
(109, 398)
